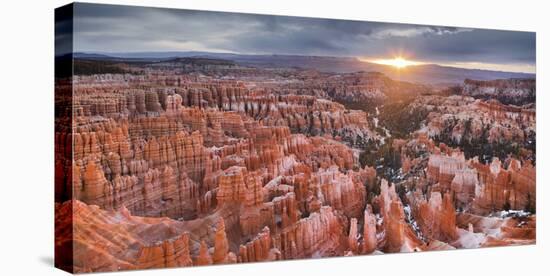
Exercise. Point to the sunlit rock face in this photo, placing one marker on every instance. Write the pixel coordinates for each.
(510, 188)
(484, 188)
(436, 217)
(369, 231)
(452, 173)
(172, 168)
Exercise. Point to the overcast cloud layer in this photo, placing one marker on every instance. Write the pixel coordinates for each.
(108, 28)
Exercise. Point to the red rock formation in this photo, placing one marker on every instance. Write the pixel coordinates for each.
(259, 249)
(387, 195)
(204, 257)
(499, 187)
(442, 168)
(319, 235)
(140, 184)
(437, 218)
(523, 180)
(95, 188)
(152, 102)
(340, 191)
(459, 118)
(111, 241)
(452, 173)
(221, 246)
(173, 104)
(369, 231)
(168, 253)
(353, 238)
(231, 186)
(463, 186)
(398, 236)
(394, 227)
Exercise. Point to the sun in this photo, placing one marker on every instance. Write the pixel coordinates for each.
(397, 62)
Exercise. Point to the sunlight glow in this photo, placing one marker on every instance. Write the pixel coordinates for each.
(397, 62)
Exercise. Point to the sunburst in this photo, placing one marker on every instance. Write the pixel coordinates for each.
(397, 62)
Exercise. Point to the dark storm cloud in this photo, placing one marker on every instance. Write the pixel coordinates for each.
(106, 28)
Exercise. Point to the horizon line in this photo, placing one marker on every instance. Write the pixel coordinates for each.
(442, 64)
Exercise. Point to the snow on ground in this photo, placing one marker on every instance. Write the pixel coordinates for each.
(469, 239)
(511, 213)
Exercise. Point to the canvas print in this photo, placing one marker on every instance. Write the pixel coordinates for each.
(191, 138)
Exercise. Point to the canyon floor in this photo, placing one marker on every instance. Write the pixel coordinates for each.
(197, 161)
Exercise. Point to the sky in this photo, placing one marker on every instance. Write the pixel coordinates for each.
(110, 28)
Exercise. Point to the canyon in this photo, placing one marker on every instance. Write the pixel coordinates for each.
(193, 162)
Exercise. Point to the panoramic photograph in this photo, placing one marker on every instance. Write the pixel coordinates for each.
(191, 138)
